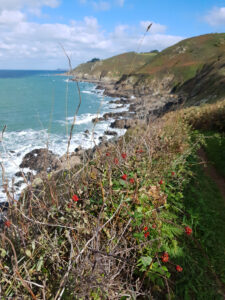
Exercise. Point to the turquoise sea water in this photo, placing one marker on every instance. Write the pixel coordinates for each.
(38, 108)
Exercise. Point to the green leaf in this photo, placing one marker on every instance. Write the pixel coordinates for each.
(40, 263)
(3, 252)
(145, 261)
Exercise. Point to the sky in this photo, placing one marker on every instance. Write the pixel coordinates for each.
(33, 33)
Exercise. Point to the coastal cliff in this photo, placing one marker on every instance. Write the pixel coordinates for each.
(192, 70)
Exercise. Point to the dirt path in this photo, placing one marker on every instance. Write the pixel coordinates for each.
(211, 171)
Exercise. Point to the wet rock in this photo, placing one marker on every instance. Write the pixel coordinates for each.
(79, 148)
(108, 132)
(122, 123)
(103, 138)
(29, 176)
(40, 160)
(3, 212)
(87, 131)
(116, 115)
(19, 183)
(96, 120)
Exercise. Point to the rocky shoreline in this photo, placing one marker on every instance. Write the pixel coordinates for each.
(142, 108)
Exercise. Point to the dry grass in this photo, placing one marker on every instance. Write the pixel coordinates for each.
(56, 248)
(206, 117)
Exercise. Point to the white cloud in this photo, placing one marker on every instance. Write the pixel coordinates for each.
(19, 4)
(11, 17)
(26, 44)
(216, 17)
(120, 2)
(155, 28)
(101, 5)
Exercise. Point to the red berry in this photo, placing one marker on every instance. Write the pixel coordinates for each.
(107, 154)
(154, 226)
(132, 180)
(179, 268)
(161, 182)
(116, 161)
(75, 198)
(145, 228)
(7, 223)
(124, 176)
(165, 257)
(173, 173)
(123, 155)
(146, 234)
(188, 230)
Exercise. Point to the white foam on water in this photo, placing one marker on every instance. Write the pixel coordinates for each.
(88, 92)
(16, 145)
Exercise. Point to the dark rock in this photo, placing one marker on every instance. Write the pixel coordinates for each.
(87, 131)
(29, 176)
(19, 183)
(40, 160)
(78, 149)
(3, 212)
(108, 132)
(103, 138)
(96, 120)
(122, 123)
(11, 151)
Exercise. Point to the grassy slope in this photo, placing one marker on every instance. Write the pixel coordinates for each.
(116, 66)
(207, 218)
(196, 67)
(111, 215)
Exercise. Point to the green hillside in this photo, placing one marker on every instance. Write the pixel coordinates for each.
(193, 68)
(114, 67)
(186, 57)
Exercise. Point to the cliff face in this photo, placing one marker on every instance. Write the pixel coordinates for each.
(193, 69)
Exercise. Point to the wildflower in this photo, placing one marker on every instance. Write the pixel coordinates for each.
(165, 257)
(107, 154)
(145, 228)
(75, 198)
(116, 161)
(132, 180)
(179, 268)
(146, 234)
(140, 151)
(161, 181)
(7, 223)
(124, 155)
(154, 226)
(124, 177)
(173, 173)
(188, 230)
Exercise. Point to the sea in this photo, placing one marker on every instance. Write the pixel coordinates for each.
(37, 110)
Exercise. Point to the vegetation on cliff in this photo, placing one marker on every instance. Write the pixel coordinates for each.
(193, 68)
(138, 220)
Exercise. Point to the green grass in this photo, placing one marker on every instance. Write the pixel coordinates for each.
(206, 209)
(215, 149)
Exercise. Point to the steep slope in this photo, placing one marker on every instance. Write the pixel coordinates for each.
(193, 68)
(113, 68)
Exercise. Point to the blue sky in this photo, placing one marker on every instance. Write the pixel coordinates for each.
(31, 31)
